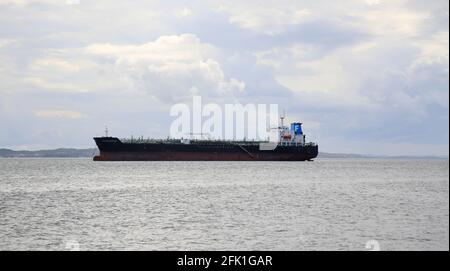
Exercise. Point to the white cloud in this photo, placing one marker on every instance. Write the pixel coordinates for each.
(372, 17)
(7, 42)
(372, 2)
(322, 80)
(270, 19)
(53, 64)
(391, 21)
(434, 49)
(364, 75)
(24, 3)
(184, 12)
(171, 68)
(67, 114)
(71, 71)
(73, 2)
(175, 48)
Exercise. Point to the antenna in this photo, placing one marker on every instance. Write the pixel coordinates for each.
(106, 131)
(282, 118)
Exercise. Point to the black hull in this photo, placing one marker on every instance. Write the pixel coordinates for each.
(112, 149)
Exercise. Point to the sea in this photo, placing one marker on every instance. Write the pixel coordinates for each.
(327, 204)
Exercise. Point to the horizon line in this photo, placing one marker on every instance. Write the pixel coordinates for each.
(362, 155)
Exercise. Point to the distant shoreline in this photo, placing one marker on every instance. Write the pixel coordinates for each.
(91, 152)
(55, 153)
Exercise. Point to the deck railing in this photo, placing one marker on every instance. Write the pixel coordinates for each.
(206, 142)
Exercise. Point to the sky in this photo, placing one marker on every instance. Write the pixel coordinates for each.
(364, 76)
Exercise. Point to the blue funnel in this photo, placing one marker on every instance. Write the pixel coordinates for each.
(296, 127)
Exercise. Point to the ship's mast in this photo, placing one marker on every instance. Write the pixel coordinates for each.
(282, 129)
(106, 131)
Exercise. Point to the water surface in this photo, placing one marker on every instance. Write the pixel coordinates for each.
(328, 204)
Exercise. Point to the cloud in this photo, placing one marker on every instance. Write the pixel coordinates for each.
(171, 68)
(318, 78)
(184, 12)
(373, 74)
(7, 42)
(58, 114)
(23, 3)
(26, 3)
(392, 22)
(382, 87)
(70, 71)
(270, 20)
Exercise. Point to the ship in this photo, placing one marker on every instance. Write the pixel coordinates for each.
(290, 146)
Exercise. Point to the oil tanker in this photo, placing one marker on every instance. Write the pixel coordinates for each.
(291, 146)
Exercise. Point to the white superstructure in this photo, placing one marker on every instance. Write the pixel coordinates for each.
(292, 135)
